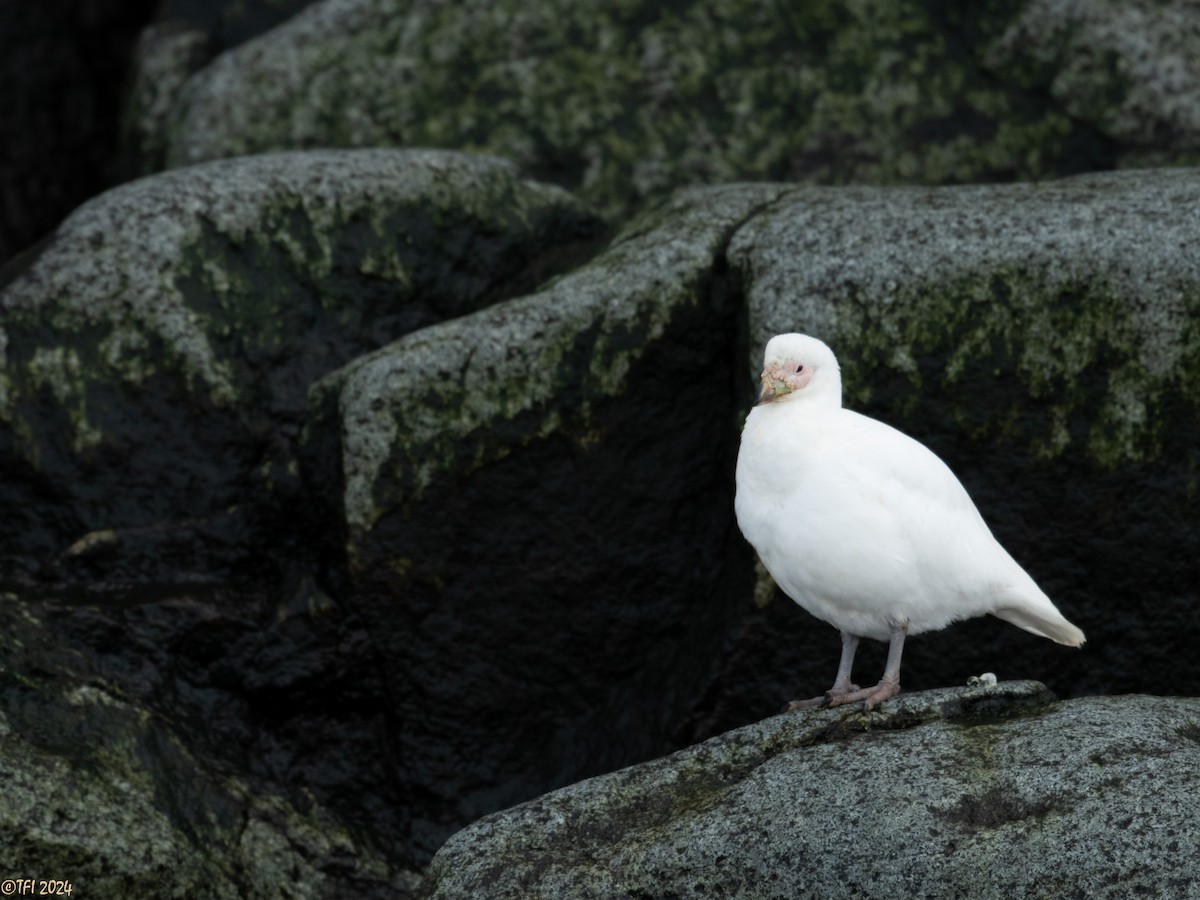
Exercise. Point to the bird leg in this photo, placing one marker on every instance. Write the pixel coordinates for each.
(889, 685)
(841, 684)
(844, 692)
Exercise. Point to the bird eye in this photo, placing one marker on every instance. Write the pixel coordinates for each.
(799, 369)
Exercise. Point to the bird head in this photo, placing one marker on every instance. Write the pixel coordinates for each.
(798, 365)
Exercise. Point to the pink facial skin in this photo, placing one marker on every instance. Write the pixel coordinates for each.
(785, 377)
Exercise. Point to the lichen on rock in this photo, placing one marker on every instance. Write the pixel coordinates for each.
(1071, 295)
(158, 350)
(625, 104)
(935, 793)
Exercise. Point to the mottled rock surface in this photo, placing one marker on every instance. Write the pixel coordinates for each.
(983, 792)
(113, 792)
(625, 104)
(166, 55)
(155, 355)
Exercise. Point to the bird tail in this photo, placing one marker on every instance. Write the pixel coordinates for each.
(1040, 617)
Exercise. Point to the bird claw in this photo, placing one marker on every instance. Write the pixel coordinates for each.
(871, 697)
(830, 698)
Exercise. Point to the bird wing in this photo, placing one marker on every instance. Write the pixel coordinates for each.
(865, 527)
(915, 476)
(871, 527)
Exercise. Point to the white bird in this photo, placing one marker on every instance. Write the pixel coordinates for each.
(865, 527)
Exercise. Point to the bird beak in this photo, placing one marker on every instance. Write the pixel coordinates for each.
(770, 388)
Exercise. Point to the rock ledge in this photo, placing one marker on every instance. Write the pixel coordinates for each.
(987, 790)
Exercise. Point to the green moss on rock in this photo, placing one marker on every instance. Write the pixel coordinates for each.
(455, 396)
(626, 103)
(155, 355)
(1054, 317)
(104, 791)
(945, 783)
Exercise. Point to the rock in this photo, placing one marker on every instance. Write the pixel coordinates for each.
(112, 794)
(184, 37)
(983, 791)
(460, 457)
(537, 502)
(155, 356)
(229, 22)
(625, 105)
(167, 54)
(418, 580)
(1130, 69)
(1039, 339)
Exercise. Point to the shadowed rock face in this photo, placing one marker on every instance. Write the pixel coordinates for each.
(156, 359)
(539, 516)
(180, 748)
(987, 792)
(230, 22)
(86, 98)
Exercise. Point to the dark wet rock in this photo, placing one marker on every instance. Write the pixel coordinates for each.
(155, 355)
(538, 510)
(110, 787)
(983, 792)
(63, 66)
(623, 105)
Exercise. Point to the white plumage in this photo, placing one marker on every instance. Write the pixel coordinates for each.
(865, 527)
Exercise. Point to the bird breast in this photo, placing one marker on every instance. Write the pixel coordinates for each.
(859, 524)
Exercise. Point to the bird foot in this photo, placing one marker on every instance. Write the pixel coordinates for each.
(826, 699)
(870, 697)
